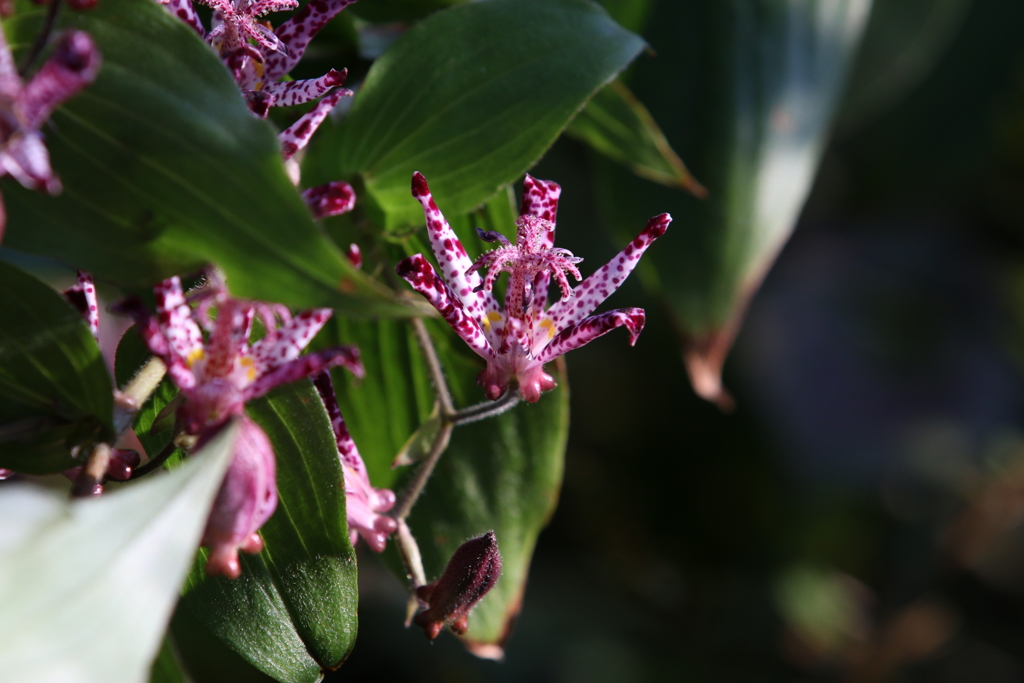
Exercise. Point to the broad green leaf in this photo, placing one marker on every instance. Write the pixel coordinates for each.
(617, 125)
(165, 170)
(55, 392)
(293, 611)
(756, 118)
(472, 97)
(88, 586)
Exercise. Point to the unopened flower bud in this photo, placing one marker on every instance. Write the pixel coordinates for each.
(471, 573)
(246, 499)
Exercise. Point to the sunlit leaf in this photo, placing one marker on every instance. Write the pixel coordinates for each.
(472, 97)
(55, 391)
(756, 117)
(88, 586)
(165, 169)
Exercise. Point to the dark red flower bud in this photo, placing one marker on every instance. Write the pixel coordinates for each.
(470, 574)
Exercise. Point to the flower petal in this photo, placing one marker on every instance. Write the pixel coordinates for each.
(285, 344)
(307, 366)
(297, 92)
(449, 253)
(296, 136)
(330, 199)
(74, 65)
(424, 279)
(540, 199)
(184, 10)
(591, 328)
(596, 288)
(298, 31)
(83, 297)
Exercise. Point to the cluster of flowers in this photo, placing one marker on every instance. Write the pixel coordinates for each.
(218, 375)
(259, 56)
(205, 340)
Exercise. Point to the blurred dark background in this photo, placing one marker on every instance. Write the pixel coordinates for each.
(860, 515)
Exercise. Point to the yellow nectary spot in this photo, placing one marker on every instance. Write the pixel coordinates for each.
(548, 323)
(492, 317)
(195, 356)
(248, 363)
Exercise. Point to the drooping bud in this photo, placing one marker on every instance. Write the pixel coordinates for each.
(471, 573)
(246, 499)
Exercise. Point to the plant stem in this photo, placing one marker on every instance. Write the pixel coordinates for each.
(434, 367)
(156, 461)
(481, 411)
(44, 37)
(128, 401)
(423, 472)
(92, 473)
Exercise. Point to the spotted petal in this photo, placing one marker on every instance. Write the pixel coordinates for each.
(290, 93)
(298, 31)
(306, 366)
(424, 279)
(297, 135)
(599, 286)
(591, 328)
(287, 343)
(448, 251)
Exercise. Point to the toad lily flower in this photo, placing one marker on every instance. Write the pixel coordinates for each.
(217, 377)
(25, 107)
(365, 505)
(517, 340)
(258, 57)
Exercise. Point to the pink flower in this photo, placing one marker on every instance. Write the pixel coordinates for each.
(26, 106)
(365, 505)
(219, 376)
(518, 339)
(258, 57)
(246, 499)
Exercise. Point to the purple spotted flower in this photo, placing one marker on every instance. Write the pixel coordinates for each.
(258, 56)
(518, 339)
(365, 505)
(218, 376)
(25, 107)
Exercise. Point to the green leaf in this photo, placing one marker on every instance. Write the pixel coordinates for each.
(165, 170)
(88, 586)
(55, 392)
(617, 125)
(472, 97)
(293, 611)
(755, 118)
